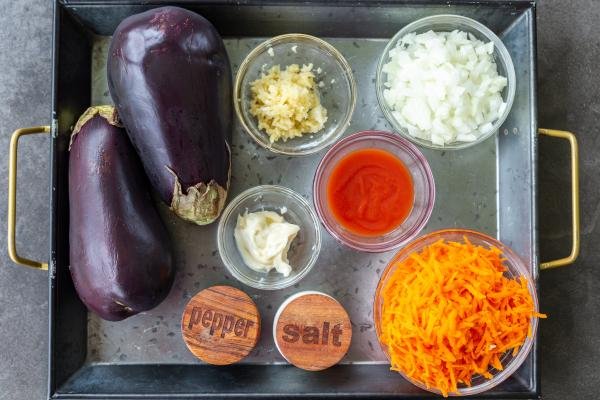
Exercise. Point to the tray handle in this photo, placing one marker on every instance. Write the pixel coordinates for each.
(12, 197)
(574, 198)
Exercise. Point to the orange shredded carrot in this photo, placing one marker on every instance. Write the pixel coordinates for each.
(449, 312)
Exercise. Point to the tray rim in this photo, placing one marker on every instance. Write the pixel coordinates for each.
(53, 289)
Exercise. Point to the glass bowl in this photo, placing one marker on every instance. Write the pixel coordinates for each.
(448, 23)
(337, 95)
(304, 249)
(422, 179)
(515, 268)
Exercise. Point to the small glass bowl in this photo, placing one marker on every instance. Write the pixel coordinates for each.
(304, 249)
(448, 23)
(515, 268)
(422, 179)
(338, 94)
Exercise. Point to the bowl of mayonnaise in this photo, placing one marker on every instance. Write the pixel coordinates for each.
(269, 237)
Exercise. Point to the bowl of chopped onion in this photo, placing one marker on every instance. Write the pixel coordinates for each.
(294, 94)
(456, 312)
(446, 82)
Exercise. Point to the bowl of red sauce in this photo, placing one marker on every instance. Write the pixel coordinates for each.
(374, 191)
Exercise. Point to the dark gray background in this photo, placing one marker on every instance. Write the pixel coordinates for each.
(569, 98)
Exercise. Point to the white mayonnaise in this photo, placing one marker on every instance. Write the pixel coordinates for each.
(263, 239)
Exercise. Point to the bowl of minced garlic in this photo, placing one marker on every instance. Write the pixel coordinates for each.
(294, 94)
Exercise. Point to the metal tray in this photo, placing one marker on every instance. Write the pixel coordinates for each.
(490, 188)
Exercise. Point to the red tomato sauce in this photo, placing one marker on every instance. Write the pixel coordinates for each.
(370, 192)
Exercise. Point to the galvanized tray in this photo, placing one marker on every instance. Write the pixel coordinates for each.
(350, 276)
(490, 188)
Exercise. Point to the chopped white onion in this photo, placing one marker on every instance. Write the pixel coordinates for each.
(444, 86)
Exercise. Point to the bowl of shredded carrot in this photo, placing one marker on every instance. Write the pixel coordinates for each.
(456, 312)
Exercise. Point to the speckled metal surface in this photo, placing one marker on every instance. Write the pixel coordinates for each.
(347, 275)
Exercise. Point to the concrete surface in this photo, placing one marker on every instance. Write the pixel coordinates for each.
(569, 98)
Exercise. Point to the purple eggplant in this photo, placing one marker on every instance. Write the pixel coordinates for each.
(120, 255)
(170, 80)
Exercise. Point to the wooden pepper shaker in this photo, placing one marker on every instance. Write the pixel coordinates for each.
(220, 325)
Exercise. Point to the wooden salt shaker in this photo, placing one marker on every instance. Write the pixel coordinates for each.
(312, 330)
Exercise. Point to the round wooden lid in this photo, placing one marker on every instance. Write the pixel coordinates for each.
(220, 325)
(312, 331)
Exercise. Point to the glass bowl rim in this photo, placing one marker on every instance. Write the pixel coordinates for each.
(498, 45)
(406, 146)
(514, 262)
(264, 46)
(228, 213)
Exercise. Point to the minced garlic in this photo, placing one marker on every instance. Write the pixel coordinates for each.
(286, 103)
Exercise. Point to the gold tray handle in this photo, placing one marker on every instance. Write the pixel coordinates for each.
(574, 198)
(12, 197)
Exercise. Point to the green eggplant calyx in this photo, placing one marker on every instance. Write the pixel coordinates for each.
(202, 204)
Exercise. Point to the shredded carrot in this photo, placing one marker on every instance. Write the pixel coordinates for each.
(449, 313)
